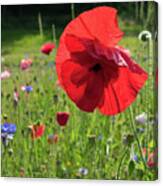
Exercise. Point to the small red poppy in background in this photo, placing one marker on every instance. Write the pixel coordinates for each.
(25, 64)
(52, 139)
(37, 130)
(47, 48)
(151, 159)
(62, 118)
(92, 69)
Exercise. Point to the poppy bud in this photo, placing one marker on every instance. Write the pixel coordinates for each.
(21, 172)
(145, 35)
(62, 118)
(5, 116)
(53, 138)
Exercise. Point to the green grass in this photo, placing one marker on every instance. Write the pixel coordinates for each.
(75, 148)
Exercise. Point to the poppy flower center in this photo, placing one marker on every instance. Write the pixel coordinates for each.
(96, 68)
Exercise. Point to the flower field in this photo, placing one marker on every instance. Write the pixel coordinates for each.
(43, 132)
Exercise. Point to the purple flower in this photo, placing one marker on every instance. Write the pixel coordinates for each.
(28, 88)
(142, 118)
(8, 128)
(7, 132)
(135, 158)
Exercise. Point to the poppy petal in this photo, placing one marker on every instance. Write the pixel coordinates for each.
(74, 44)
(37, 131)
(40, 131)
(81, 85)
(120, 93)
(100, 23)
(92, 24)
(81, 50)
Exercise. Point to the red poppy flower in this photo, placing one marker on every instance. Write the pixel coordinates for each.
(92, 69)
(62, 118)
(151, 159)
(47, 48)
(37, 130)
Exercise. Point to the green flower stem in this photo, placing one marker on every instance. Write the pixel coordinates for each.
(132, 123)
(146, 94)
(54, 33)
(72, 10)
(120, 163)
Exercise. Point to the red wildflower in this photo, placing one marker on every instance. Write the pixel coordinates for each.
(37, 130)
(151, 159)
(62, 118)
(25, 64)
(93, 71)
(47, 48)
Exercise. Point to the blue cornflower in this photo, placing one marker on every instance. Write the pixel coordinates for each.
(4, 127)
(28, 88)
(8, 128)
(135, 158)
(7, 132)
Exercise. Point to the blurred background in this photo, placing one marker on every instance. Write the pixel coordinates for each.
(133, 17)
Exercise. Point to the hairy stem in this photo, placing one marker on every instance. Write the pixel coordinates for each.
(120, 163)
(132, 123)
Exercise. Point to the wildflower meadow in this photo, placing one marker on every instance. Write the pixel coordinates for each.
(79, 91)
